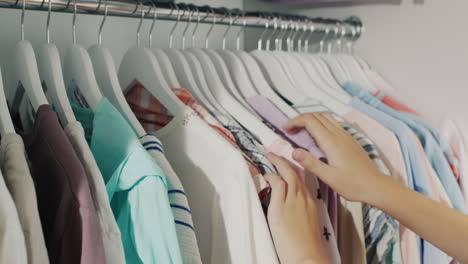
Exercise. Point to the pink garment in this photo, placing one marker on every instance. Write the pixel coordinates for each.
(282, 148)
(453, 135)
(395, 104)
(390, 151)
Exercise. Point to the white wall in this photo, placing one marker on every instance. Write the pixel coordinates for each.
(420, 46)
(119, 34)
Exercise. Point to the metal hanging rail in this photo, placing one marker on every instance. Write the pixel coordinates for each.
(351, 26)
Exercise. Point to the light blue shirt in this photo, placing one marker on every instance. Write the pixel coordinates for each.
(444, 145)
(136, 186)
(417, 177)
(431, 147)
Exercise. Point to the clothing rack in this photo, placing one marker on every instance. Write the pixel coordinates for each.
(350, 27)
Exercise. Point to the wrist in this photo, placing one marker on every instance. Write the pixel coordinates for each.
(384, 192)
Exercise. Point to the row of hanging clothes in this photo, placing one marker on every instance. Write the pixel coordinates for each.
(163, 160)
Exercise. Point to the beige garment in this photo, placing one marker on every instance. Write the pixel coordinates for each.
(110, 231)
(12, 245)
(351, 238)
(20, 185)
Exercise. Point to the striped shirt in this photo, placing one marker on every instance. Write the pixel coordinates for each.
(381, 231)
(178, 201)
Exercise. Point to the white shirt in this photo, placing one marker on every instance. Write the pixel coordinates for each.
(228, 218)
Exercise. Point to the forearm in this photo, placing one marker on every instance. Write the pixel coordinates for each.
(444, 227)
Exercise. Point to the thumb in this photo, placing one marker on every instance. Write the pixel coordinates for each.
(312, 164)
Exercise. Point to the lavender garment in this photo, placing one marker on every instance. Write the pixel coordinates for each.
(274, 117)
(278, 119)
(69, 221)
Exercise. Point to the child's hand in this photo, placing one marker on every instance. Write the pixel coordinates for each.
(350, 171)
(293, 218)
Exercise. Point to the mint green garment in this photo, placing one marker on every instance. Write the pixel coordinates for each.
(136, 186)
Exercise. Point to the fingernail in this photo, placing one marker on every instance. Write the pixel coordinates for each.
(299, 155)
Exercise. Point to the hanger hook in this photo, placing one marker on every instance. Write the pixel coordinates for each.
(74, 22)
(190, 13)
(171, 34)
(336, 31)
(231, 21)
(289, 33)
(302, 26)
(208, 33)
(138, 34)
(49, 11)
(311, 30)
(339, 42)
(272, 31)
(322, 41)
(350, 42)
(196, 25)
(267, 25)
(155, 17)
(238, 37)
(279, 37)
(23, 11)
(101, 27)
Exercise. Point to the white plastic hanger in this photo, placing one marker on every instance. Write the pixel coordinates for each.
(273, 71)
(108, 81)
(240, 64)
(355, 70)
(324, 90)
(162, 58)
(79, 69)
(50, 71)
(233, 107)
(6, 124)
(236, 68)
(26, 75)
(308, 85)
(223, 71)
(195, 68)
(334, 65)
(177, 61)
(139, 65)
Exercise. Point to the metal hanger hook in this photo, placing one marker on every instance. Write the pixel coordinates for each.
(322, 41)
(260, 39)
(155, 17)
(238, 37)
(273, 30)
(339, 42)
(280, 36)
(207, 38)
(231, 21)
(74, 22)
(171, 34)
(336, 31)
(190, 13)
(23, 11)
(49, 11)
(101, 27)
(311, 30)
(300, 39)
(196, 25)
(138, 34)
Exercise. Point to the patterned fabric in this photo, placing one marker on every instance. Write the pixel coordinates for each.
(178, 201)
(381, 231)
(153, 116)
